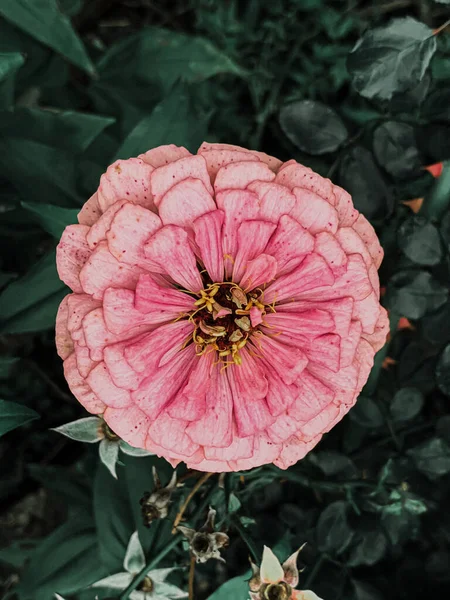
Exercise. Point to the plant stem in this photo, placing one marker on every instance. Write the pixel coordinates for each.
(247, 539)
(191, 578)
(194, 490)
(153, 563)
(315, 571)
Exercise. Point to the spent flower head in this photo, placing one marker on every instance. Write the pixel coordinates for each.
(154, 585)
(275, 581)
(155, 505)
(205, 543)
(95, 430)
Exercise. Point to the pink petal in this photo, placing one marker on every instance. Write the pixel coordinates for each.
(294, 449)
(344, 206)
(341, 309)
(351, 242)
(249, 387)
(364, 361)
(126, 180)
(293, 175)
(252, 240)
(350, 343)
(84, 362)
(90, 211)
(275, 200)
(98, 231)
(79, 306)
(190, 403)
(160, 303)
(313, 212)
(165, 177)
(159, 388)
(169, 248)
(264, 452)
(308, 323)
(367, 311)
(208, 236)
(123, 374)
(130, 229)
(214, 428)
(240, 174)
(72, 253)
(216, 159)
(130, 423)
(321, 423)
(163, 155)
(102, 271)
(283, 428)
(280, 395)
(314, 396)
(313, 274)
(240, 447)
(325, 350)
(101, 383)
(259, 271)
(80, 389)
(328, 246)
(290, 244)
(378, 338)
(171, 434)
(369, 237)
(64, 344)
(344, 382)
(185, 202)
(271, 161)
(255, 316)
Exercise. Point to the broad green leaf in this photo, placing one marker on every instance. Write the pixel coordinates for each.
(86, 429)
(39, 172)
(361, 177)
(236, 588)
(10, 62)
(395, 149)
(70, 131)
(419, 240)
(18, 553)
(65, 562)
(437, 105)
(406, 404)
(333, 531)
(312, 126)
(392, 58)
(432, 458)
(443, 371)
(44, 21)
(369, 550)
(30, 303)
(54, 219)
(437, 202)
(367, 413)
(172, 121)
(413, 293)
(165, 56)
(13, 415)
(333, 463)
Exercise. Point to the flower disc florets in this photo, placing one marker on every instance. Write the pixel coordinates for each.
(225, 308)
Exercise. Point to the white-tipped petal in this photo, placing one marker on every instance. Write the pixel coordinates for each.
(108, 452)
(134, 558)
(119, 581)
(87, 430)
(271, 569)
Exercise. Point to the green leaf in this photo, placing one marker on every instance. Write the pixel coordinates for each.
(236, 588)
(70, 131)
(14, 415)
(443, 371)
(234, 504)
(10, 63)
(172, 56)
(172, 121)
(369, 550)
(44, 21)
(432, 458)
(414, 293)
(66, 561)
(395, 149)
(67, 484)
(312, 126)
(361, 177)
(30, 303)
(420, 241)
(406, 404)
(332, 530)
(53, 219)
(366, 413)
(438, 201)
(333, 463)
(437, 105)
(391, 59)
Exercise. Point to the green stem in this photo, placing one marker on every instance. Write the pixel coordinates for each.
(315, 571)
(153, 563)
(247, 540)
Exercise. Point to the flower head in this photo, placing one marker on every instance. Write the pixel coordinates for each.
(155, 505)
(154, 584)
(205, 543)
(277, 582)
(225, 308)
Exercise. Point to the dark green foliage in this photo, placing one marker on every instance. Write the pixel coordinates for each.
(358, 91)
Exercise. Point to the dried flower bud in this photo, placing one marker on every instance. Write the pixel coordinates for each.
(205, 543)
(155, 505)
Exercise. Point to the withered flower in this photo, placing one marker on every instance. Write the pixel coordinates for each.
(155, 505)
(205, 543)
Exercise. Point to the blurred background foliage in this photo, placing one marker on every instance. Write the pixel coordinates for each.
(358, 90)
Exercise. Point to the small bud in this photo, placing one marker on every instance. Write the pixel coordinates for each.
(205, 543)
(155, 505)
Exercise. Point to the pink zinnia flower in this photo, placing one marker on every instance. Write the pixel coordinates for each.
(225, 308)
